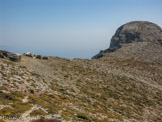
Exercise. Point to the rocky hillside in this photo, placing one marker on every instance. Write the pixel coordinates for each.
(124, 85)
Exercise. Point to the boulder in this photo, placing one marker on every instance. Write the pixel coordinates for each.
(15, 58)
(45, 57)
(11, 56)
(28, 54)
(1, 55)
(38, 56)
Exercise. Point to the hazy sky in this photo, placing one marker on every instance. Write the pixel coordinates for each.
(69, 28)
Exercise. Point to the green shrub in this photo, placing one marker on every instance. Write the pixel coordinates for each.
(37, 113)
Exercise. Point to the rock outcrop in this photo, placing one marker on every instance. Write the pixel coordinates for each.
(36, 56)
(29, 54)
(136, 31)
(11, 56)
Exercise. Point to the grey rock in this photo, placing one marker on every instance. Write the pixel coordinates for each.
(1, 55)
(38, 56)
(11, 56)
(15, 58)
(45, 57)
(136, 31)
(28, 54)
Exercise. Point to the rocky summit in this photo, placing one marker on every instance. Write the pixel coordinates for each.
(137, 31)
(121, 84)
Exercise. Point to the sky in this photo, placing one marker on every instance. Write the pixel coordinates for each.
(69, 28)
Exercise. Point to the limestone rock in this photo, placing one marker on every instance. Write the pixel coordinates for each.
(28, 54)
(136, 31)
(11, 56)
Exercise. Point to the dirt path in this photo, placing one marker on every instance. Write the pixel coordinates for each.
(24, 116)
(27, 113)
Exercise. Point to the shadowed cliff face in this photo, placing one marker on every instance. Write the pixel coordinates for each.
(137, 31)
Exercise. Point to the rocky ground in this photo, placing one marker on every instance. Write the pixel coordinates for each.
(117, 87)
(124, 85)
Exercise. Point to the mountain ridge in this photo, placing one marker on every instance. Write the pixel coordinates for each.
(122, 86)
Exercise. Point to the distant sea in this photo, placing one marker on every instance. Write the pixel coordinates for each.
(70, 54)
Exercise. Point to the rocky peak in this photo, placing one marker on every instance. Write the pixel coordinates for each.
(136, 31)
